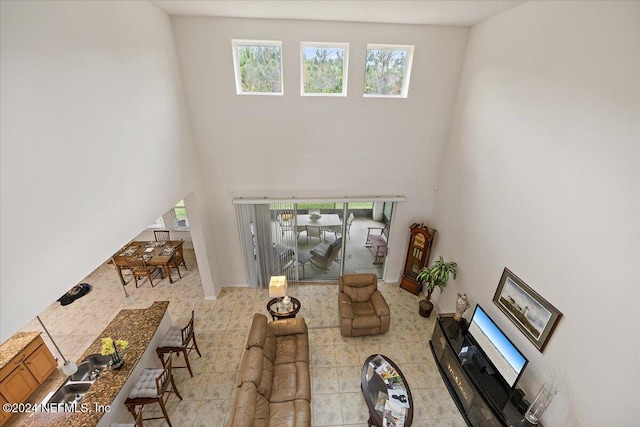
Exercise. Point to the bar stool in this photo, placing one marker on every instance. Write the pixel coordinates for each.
(179, 340)
(151, 387)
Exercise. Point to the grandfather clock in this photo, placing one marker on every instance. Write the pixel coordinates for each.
(420, 242)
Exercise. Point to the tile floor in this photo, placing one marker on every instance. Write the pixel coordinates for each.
(221, 329)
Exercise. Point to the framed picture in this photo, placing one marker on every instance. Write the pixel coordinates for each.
(531, 313)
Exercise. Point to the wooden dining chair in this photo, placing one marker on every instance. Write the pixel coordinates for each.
(162, 235)
(177, 259)
(139, 268)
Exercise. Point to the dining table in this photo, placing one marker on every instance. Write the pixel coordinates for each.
(329, 222)
(157, 254)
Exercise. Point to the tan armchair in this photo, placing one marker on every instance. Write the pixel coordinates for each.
(363, 310)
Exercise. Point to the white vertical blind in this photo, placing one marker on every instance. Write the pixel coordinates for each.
(263, 228)
(246, 224)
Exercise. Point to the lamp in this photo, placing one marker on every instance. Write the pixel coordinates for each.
(69, 368)
(278, 288)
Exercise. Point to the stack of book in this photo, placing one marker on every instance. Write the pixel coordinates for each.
(394, 403)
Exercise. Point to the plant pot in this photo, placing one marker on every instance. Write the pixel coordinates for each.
(425, 308)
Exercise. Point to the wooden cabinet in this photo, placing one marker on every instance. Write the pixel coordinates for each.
(483, 399)
(4, 416)
(21, 376)
(420, 241)
(18, 385)
(41, 363)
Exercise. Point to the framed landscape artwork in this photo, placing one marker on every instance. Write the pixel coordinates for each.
(531, 313)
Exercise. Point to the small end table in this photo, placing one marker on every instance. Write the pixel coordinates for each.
(276, 309)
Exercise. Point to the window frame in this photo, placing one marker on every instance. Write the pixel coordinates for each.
(345, 65)
(176, 225)
(235, 44)
(404, 93)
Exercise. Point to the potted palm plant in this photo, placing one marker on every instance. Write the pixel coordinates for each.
(434, 277)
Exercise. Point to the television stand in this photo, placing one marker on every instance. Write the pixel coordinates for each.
(479, 392)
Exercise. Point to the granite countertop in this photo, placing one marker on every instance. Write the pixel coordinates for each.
(134, 325)
(14, 345)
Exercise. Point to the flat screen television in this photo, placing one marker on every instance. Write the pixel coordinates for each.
(504, 356)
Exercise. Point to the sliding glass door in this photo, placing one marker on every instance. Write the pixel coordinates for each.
(365, 222)
(314, 241)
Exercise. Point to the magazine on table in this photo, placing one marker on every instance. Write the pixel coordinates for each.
(399, 397)
(377, 361)
(393, 415)
(395, 383)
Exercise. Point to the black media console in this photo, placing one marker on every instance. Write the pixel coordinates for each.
(482, 396)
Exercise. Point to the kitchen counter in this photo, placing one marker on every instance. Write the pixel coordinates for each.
(14, 345)
(138, 326)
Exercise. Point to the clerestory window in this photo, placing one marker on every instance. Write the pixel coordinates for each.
(323, 69)
(258, 67)
(387, 71)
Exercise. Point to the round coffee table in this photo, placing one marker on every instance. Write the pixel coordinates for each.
(276, 309)
(372, 385)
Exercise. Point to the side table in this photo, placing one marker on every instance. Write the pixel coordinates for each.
(277, 310)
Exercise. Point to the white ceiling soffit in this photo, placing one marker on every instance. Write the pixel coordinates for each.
(442, 12)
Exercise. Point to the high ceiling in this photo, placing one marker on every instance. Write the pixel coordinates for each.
(442, 12)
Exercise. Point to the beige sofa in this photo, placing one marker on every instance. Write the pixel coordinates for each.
(275, 383)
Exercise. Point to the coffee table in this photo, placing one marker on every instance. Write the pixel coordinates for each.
(277, 311)
(372, 384)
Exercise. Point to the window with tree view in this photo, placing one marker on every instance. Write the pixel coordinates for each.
(180, 214)
(324, 69)
(388, 70)
(258, 67)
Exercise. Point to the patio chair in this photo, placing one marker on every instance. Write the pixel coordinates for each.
(324, 254)
(378, 242)
(314, 231)
(286, 222)
(349, 222)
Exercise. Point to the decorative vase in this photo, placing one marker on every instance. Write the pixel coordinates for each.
(540, 403)
(117, 361)
(462, 304)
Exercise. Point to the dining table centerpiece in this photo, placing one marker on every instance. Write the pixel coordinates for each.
(115, 349)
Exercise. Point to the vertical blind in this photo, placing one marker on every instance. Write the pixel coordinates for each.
(262, 230)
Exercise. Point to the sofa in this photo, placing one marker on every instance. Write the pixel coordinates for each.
(362, 308)
(274, 381)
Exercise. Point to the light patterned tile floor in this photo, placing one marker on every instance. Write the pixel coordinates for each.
(221, 330)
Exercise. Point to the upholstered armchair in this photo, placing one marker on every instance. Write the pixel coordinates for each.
(363, 310)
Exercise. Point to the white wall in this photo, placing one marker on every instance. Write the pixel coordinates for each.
(95, 142)
(316, 146)
(542, 175)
